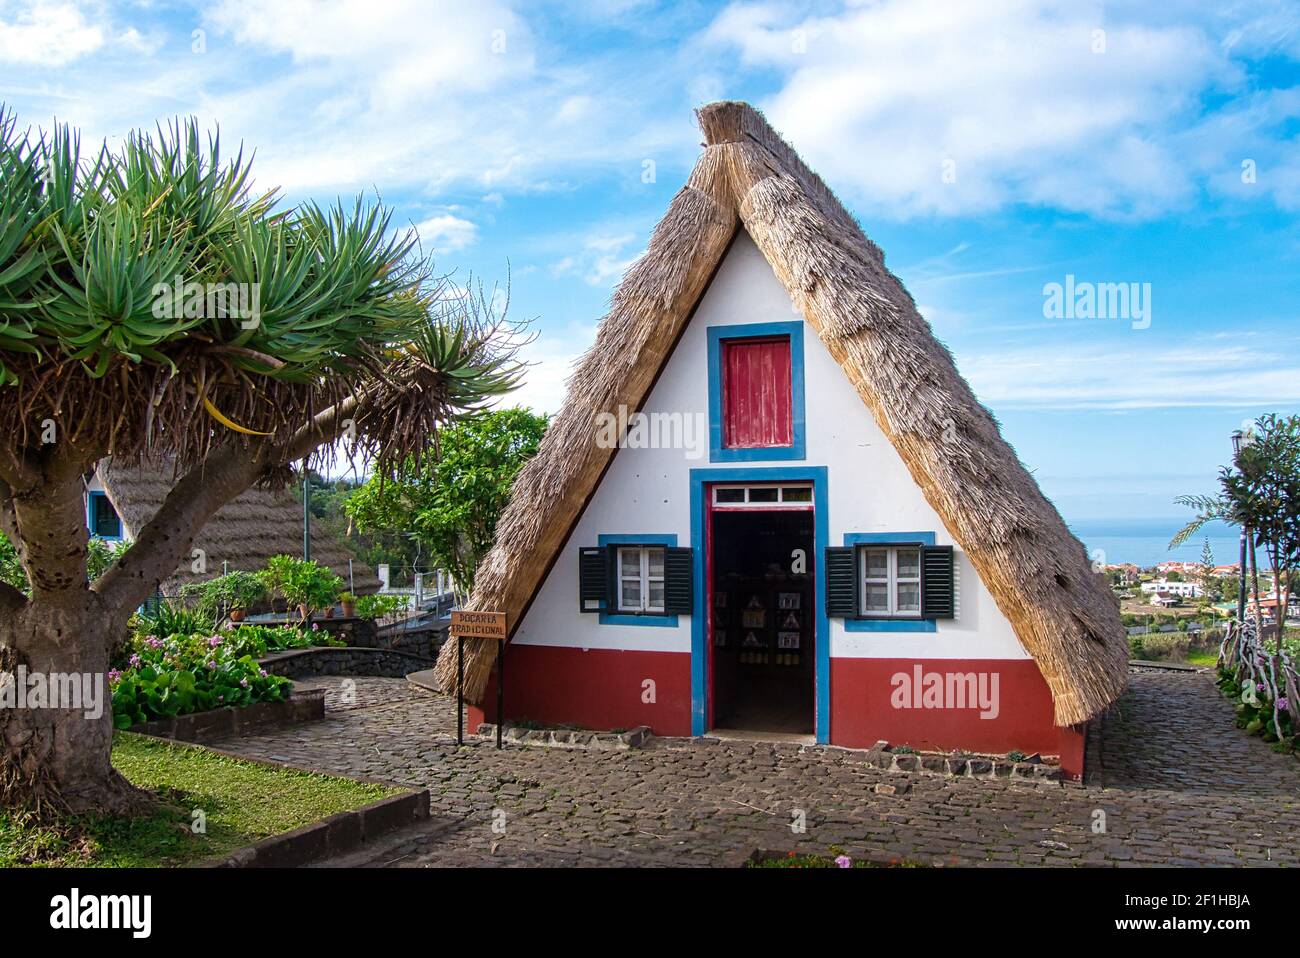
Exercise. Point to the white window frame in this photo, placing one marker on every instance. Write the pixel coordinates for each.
(642, 577)
(784, 499)
(892, 580)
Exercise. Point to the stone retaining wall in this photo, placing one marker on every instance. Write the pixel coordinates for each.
(200, 727)
(569, 738)
(308, 663)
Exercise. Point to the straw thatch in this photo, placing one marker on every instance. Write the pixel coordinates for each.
(244, 533)
(748, 177)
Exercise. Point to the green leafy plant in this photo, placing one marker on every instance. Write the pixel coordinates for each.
(451, 498)
(167, 618)
(225, 593)
(377, 606)
(181, 675)
(301, 582)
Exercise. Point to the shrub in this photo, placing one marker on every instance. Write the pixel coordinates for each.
(378, 606)
(1166, 646)
(301, 582)
(182, 675)
(171, 618)
(234, 590)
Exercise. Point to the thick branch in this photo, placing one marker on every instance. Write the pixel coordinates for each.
(17, 471)
(326, 427)
(166, 540)
(11, 599)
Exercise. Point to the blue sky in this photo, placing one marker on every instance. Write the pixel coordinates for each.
(989, 148)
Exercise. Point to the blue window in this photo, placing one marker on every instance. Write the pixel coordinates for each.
(639, 579)
(102, 519)
(889, 581)
(727, 416)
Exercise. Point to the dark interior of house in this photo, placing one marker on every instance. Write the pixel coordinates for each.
(762, 621)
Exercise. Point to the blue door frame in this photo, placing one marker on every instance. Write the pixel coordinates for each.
(700, 478)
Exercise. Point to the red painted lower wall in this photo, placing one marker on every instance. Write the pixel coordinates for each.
(594, 688)
(603, 689)
(881, 699)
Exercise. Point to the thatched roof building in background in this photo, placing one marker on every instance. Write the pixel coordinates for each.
(245, 533)
(749, 178)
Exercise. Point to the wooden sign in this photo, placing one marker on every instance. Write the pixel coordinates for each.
(478, 625)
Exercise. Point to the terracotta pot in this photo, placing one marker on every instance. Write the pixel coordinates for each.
(237, 615)
(349, 610)
(329, 613)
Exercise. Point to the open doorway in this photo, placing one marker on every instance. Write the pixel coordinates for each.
(762, 604)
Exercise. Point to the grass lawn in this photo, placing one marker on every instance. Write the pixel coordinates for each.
(1202, 658)
(242, 802)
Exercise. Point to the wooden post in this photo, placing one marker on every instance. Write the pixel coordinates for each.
(501, 691)
(478, 625)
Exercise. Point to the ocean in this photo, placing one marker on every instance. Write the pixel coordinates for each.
(1145, 542)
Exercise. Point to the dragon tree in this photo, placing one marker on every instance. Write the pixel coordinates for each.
(155, 307)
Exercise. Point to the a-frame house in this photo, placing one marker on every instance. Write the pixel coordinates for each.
(771, 505)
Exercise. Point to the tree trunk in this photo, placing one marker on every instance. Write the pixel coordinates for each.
(58, 759)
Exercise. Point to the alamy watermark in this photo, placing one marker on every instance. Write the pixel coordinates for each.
(182, 299)
(653, 430)
(75, 691)
(1085, 300)
(919, 689)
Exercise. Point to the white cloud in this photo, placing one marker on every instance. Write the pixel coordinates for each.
(552, 356)
(446, 233)
(1203, 373)
(1013, 94)
(46, 33)
(600, 260)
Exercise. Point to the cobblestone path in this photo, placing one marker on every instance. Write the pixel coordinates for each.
(1177, 783)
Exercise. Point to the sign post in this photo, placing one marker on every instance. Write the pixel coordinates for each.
(478, 625)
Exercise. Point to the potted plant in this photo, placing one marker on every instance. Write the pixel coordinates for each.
(230, 594)
(306, 585)
(349, 603)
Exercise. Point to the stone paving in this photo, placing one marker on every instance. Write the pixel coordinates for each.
(1178, 784)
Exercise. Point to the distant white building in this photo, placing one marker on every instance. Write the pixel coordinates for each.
(1184, 590)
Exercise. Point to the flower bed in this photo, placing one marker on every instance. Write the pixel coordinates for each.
(160, 678)
(1262, 685)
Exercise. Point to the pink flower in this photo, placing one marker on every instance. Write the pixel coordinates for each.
(114, 675)
(844, 861)
(135, 661)
(214, 641)
(212, 665)
(244, 682)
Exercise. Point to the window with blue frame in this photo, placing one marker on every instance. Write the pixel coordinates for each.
(890, 582)
(756, 392)
(636, 579)
(103, 520)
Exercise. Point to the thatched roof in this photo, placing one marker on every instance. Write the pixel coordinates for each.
(748, 177)
(245, 533)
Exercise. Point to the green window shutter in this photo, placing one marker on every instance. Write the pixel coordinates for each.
(842, 582)
(938, 583)
(679, 581)
(593, 578)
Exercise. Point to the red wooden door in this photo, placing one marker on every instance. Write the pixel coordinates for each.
(756, 393)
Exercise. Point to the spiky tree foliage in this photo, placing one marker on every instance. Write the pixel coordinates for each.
(1260, 492)
(154, 308)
